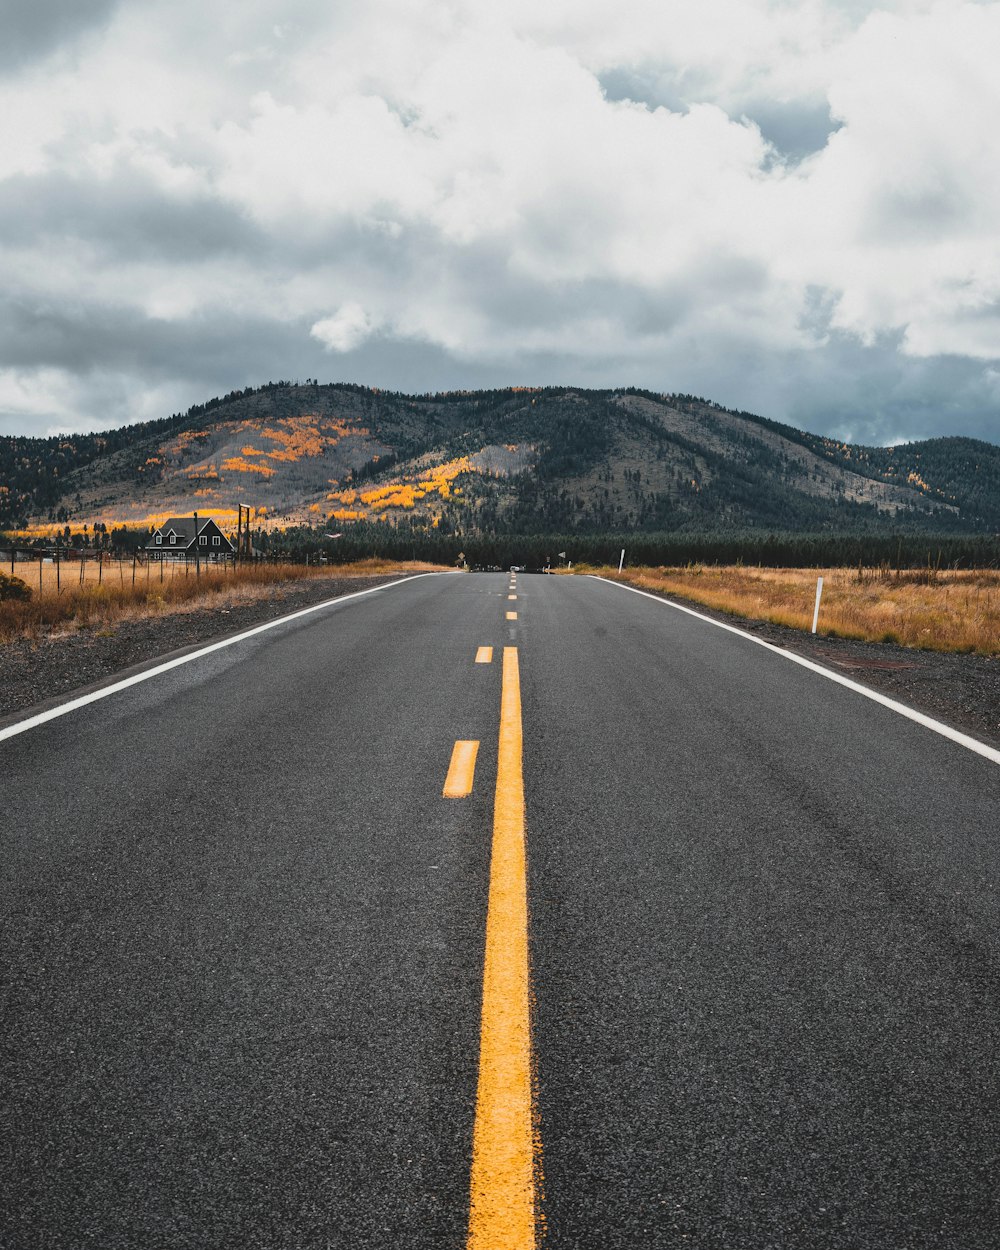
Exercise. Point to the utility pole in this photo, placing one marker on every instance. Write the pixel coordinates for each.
(242, 532)
(197, 548)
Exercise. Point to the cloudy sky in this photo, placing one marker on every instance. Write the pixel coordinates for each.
(790, 206)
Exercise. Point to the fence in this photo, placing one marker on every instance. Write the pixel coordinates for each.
(54, 569)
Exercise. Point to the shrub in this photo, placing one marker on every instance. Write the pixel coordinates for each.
(13, 590)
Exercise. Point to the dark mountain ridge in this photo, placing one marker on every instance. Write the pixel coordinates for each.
(520, 460)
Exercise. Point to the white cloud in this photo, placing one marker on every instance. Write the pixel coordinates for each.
(460, 176)
(345, 330)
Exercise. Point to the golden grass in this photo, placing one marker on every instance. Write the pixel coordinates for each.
(100, 606)
(935, 610)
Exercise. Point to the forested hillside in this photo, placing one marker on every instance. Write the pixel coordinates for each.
(519, 461)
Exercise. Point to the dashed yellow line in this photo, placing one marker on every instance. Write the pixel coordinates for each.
(512, 596)
(461, 770)
(511, 616)
(484, 655)
(506, 1151)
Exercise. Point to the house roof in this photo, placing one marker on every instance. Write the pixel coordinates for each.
(183, 527)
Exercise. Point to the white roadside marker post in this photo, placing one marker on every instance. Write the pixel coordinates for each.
(621, 562)
(819, 595)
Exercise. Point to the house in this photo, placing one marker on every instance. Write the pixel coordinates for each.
(183, 537)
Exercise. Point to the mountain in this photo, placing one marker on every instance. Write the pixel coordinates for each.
(522, 460)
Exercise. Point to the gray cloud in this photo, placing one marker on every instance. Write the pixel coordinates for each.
(252, 184)
(34, 28)
(864, 394)
(675, 90)
(845, 390)
(840, 387)
(125, 218)
(795, 128)
(86, 338)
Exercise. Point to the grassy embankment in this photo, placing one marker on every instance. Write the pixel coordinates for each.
(939, 610)
(125, 593)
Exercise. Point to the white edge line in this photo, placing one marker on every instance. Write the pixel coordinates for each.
(63, 709)
(971, 744)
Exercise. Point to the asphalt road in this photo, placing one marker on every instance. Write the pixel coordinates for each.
(243, 941)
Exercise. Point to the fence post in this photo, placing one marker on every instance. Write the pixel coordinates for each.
(819, 595)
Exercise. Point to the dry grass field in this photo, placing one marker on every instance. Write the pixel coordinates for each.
(940, 610)
(97, 598)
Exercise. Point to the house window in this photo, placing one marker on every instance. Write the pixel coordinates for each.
(203, 541)
(173, 538)
(216, 540)
(159, 539)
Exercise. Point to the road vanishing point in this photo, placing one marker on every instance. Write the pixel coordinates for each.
(496, 912)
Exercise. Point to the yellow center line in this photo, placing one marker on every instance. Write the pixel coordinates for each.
(484, 655)
(512, 596)
(506, 1148)
(461, 770)
(511, 616)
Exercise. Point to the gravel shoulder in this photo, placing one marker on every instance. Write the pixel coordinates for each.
(963, 691)
(35, 674)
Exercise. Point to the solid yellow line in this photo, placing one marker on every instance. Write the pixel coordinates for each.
(484, 655)
(511, 616)
(505, 1147)
(461, 770)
